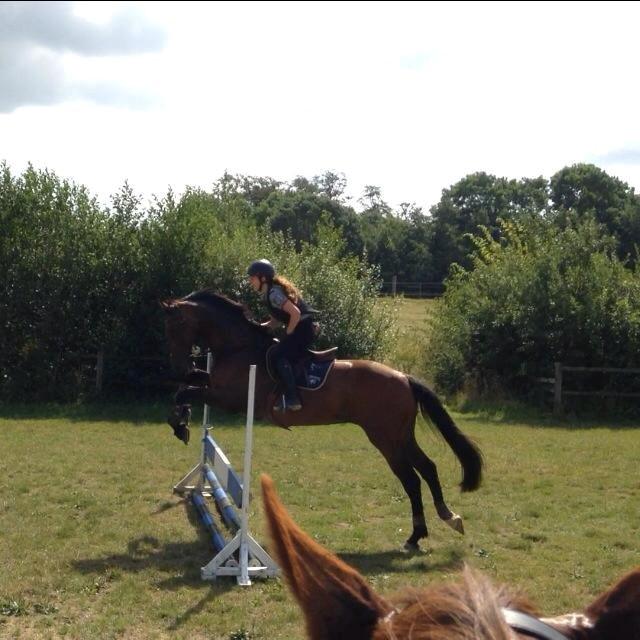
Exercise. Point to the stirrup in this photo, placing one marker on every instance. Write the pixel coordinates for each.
(284, 405)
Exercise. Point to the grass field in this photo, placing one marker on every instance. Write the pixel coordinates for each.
(95, 546)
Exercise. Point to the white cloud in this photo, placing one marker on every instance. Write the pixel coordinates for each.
(35, 36)
(407, 96)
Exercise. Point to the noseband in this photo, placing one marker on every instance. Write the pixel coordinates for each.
(529, 626)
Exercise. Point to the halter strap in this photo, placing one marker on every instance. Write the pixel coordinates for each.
(530, 626)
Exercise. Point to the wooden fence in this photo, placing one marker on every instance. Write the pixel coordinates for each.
(97, 378)
(559, 391)
(412, 289)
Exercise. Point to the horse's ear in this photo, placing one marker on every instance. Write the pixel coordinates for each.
(336, 600)
(616, 613)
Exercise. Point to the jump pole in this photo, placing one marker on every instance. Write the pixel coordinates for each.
(253, 559)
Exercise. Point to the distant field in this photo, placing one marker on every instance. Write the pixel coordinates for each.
(413, 322)
(95, 546)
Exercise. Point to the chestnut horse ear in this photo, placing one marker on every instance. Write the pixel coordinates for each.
(616, 613)
(336, 600)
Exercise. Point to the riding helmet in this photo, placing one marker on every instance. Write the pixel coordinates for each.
(261, 268)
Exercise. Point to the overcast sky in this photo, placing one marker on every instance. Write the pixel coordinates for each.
(409, 97)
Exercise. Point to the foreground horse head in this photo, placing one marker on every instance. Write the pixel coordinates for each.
(339, 604)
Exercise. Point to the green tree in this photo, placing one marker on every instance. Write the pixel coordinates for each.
(533, 297)
(478, 200)
(584, 190)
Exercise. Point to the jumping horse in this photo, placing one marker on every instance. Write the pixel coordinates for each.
(381, 400)
(338, 603)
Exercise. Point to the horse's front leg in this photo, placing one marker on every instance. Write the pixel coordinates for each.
(180, 415)
(178, 419)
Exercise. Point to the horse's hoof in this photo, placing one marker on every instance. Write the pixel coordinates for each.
(182, 432)
(411, 547)
(455, 522)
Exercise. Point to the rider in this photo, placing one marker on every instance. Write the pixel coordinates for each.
(286, 306)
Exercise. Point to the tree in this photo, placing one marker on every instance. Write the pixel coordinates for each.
(479, 200)
(331, 185)
(297, 213)
(584, 190)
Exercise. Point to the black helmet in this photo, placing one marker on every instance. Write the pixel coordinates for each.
(261, 268)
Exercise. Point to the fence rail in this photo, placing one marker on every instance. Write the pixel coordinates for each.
(413, 289)
(559, 392)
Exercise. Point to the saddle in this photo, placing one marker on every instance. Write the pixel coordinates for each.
(310, 371)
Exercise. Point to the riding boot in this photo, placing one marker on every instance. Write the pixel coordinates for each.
(291, 399)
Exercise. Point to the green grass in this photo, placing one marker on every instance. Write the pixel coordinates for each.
(94, 544)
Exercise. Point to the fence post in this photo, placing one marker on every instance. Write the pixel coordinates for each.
(394, 282)
(557, 391)
(99, 370)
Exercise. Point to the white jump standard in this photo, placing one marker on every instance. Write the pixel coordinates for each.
(214, 477)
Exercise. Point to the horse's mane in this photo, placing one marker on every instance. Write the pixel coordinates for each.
(469, 608)
(220, 303)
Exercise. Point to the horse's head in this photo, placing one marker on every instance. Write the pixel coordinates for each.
(338, 603)
(181, 333)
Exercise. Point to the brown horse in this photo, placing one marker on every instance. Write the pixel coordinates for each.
(338, 604)
(384, 402)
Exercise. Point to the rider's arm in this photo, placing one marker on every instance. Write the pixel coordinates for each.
(294, 316)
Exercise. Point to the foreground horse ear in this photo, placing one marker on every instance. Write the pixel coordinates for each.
(336, 600)
(616, 613)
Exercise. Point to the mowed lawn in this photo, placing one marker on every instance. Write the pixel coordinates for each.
(94, 544)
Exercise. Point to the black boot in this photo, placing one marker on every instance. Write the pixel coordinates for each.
(290, 400)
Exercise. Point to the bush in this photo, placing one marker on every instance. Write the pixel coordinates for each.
(536, 296)
(78, 278)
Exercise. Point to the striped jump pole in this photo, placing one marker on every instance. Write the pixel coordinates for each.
(198, 501)
(229, 514)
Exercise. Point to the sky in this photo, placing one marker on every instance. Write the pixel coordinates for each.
(409, 97)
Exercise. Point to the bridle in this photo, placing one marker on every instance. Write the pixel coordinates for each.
(530, 626)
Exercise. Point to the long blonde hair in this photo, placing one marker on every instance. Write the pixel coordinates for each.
(288, 287)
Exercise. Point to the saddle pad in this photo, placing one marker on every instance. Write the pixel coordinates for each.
(309, 374)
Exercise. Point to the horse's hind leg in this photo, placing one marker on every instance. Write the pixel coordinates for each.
(403, 469)
(428, 470)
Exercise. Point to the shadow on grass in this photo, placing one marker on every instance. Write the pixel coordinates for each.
(402, 562)
(518, 414)
(181, 560)
(145, 411)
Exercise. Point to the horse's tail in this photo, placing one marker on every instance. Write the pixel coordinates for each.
(465, 449)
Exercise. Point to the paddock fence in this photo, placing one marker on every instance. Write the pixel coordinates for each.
(557, 384)
(395, 287)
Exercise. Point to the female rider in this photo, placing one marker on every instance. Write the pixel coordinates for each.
(286, 306)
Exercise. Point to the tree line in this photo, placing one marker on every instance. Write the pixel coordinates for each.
(79, 276)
